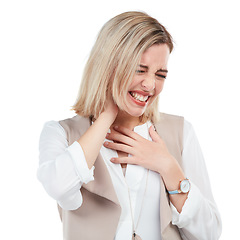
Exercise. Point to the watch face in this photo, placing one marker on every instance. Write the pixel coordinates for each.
(185, 186)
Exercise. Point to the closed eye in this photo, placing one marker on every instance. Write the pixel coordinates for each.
(140, 71)
(158, 75)
(161, 76)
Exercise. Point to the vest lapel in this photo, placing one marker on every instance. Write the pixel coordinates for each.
(168, 231)
(165, 211)
(102, 184)
(166, 130)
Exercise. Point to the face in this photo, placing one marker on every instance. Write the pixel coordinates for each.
(148, 80)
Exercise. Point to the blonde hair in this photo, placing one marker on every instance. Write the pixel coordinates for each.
(113, 61)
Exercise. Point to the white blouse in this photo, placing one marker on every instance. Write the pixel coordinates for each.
(63, 169)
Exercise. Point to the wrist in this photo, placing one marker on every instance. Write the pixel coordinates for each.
(183, 187)
(170, 165)
(172, 175)
(110, 114)
(108, 117)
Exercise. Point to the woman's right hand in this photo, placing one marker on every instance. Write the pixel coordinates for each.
(111, 108)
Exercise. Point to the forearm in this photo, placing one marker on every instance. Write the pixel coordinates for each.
(172, 177)
(92, 140)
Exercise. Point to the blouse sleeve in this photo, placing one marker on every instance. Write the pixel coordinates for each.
(62, 168)
(199, 219)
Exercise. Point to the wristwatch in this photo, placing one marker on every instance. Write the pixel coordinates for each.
(184, 187)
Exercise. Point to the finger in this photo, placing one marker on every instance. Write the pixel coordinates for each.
(154, 135)
(118, 147)
(128, 160)
(127, 132)
(120, 138)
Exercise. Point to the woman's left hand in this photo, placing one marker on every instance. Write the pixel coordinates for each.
(152, 155)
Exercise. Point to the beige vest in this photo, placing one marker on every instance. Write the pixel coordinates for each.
(99, 214)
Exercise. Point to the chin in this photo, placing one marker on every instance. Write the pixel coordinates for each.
(134, 109)
(135, 112)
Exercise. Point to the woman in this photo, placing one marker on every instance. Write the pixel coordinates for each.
(119, 169)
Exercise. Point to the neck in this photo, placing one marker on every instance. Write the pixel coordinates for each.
(126, 120)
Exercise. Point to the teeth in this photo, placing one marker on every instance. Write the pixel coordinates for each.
(139, 97)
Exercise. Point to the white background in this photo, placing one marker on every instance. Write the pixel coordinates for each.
(43, 48)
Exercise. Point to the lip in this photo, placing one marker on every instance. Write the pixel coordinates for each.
(137, 102)
(142, 93)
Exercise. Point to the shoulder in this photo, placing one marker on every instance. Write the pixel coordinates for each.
(63, 128)
(74, 120)
(52, 134)
(170, 120)
(188, 127)
(177, 122)
(52, 127)
(75, 127)
(170, 117)
(189, 134)
(169, 124)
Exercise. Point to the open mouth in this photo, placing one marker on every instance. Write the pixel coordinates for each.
(139, 97)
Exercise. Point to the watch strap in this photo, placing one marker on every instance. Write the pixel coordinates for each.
(173, 192)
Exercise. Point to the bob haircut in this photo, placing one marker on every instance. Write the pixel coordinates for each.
(114, 59)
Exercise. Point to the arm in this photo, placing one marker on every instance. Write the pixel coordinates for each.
(62, 168)
(94, 137)
(57, 170)
(199, 218)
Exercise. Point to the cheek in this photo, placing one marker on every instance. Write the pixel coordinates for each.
(135, 81)
(159, 87)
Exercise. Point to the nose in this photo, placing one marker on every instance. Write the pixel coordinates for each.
(148, 83)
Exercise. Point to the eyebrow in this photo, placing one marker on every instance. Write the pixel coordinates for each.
(160, 70)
